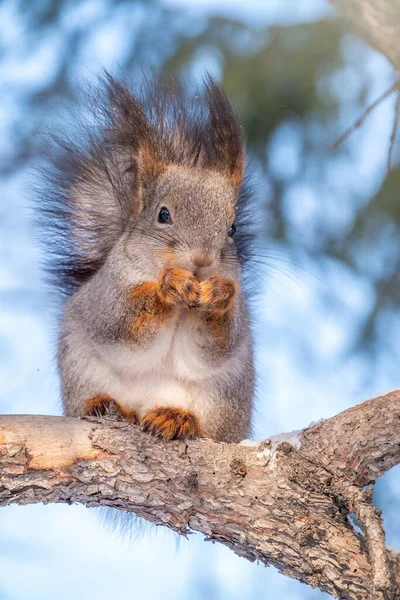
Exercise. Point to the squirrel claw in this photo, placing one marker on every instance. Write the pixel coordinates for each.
(195, 304)
(101, 406)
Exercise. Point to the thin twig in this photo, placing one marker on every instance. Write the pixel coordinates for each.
(394, 132)
(364, 115)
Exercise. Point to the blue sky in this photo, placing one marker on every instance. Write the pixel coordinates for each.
(63, 552)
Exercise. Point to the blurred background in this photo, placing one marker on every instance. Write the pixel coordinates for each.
(328, 313)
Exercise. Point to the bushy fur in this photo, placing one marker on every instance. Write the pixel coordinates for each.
(156, 319)
(87, 201)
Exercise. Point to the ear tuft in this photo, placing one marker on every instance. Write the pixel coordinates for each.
(227, 146)
(96, 184)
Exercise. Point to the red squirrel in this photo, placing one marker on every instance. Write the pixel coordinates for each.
(147, 238)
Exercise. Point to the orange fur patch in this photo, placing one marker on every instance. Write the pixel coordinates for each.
(172, 423)
(220, 330)
(168, 256)
(145, 294)
(151, 162)
(150, 310)
(236, 176)
(179, 288)
(217, 295)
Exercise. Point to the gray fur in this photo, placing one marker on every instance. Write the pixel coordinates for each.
(182, 356)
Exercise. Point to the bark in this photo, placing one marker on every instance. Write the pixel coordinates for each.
(377, 22)
(287, 501)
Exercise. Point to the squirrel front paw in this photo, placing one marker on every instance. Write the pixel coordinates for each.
(179, 288)
(217, 295)
(172, 423)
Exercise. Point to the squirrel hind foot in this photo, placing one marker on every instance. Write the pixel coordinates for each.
(98, 406)
(102, 405)
(172, 423)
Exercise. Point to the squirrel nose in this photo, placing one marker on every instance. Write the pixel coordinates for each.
(201, 259)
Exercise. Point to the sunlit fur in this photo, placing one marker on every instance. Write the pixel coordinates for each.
(155, 316)
(85, 197)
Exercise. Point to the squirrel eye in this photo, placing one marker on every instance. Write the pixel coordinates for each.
(232, 230)
(164, 215)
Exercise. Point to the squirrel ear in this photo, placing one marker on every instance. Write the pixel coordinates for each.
(237, 169)
(147, 166)
(150, 163)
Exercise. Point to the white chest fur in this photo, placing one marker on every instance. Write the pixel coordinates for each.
(171, 372)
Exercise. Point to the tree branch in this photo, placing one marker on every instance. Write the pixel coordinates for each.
(286, 501)
(377, 22)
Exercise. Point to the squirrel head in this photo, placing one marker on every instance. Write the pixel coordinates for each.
(186, 219)
(188, 168)
(159, 169)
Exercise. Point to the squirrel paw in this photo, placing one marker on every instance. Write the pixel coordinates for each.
(102, 405)
(179, 287)
(217, 294)
(98, 406)
(172, 423)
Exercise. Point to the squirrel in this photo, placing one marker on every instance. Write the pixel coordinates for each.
(147, 235)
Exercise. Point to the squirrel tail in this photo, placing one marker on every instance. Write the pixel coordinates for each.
(130, 528)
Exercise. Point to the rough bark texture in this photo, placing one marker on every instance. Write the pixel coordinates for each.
(287, 501)
(377, 22)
